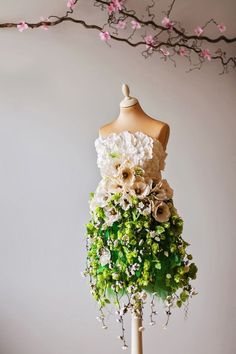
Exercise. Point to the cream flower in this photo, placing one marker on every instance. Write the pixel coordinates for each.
(140, 188)
(161, 211)
(114, 185)
(126, 175)
(101, 195)
(144, 208)
(125, 201)
(105, 256)
(112, 215)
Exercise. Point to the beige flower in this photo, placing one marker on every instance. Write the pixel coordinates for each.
(161, 211)
(162, 190)
(140, 188)
(159, 193)
(166, 187)
(126, 175)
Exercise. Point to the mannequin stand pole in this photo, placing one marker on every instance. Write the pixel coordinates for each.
(136, 335)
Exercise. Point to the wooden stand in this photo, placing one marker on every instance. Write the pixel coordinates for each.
(136, 335)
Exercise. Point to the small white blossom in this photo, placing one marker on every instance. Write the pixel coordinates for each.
(105, 257)
(153, 234)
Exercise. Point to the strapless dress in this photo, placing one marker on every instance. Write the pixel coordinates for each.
(134, 239)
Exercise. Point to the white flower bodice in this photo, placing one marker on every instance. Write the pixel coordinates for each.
(136, 149)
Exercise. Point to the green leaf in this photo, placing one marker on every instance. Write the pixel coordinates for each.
(184, 296)
(179, 303)
(158, 265)
(192, 271)
(114, 155)
(91, 195)
(160, 229)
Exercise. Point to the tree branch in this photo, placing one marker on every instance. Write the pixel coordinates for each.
(169, 41)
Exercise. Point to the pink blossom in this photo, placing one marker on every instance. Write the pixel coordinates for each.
(198, 31)
(22, 26)
(149, 41)
(183, 51)
(166, 22)
(205, 53)
(115, 6)
(135, 24)
(71, 4)
(221, 27)
(110, 8)
(121, 24)
(118, 4)
(165, 52)
(44, 25)
(104, 36)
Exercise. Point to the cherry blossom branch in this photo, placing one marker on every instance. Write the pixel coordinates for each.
(168, 38)
(164, 28)
(176, 38)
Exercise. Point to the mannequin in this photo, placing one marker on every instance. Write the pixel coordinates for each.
(133, 118)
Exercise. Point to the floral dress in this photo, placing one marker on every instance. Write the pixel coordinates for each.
(134, 238)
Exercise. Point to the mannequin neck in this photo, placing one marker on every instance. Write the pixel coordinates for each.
(131, 112)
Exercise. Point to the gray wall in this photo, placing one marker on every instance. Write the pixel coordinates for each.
(57, 88)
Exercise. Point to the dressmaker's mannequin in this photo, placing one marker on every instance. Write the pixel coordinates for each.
(133, 119)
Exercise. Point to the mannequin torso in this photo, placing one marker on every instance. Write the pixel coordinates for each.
(134, 119)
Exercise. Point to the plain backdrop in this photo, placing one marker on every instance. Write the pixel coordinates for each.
(57, 88)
